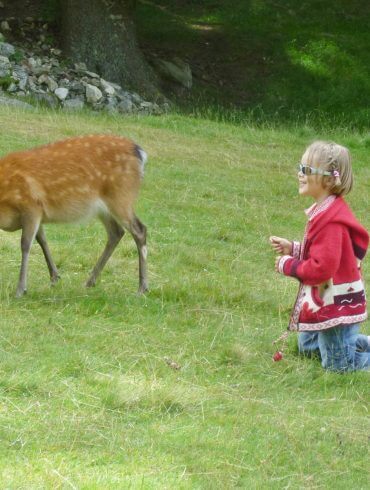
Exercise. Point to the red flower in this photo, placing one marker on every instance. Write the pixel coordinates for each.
(277, 356)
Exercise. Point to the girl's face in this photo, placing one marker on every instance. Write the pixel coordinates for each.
(312, 185)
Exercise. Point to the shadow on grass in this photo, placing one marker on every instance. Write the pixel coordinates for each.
(280, 60)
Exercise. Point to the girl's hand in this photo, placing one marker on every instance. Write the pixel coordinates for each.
(281, 246)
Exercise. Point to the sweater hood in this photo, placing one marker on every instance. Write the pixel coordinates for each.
(340, 212)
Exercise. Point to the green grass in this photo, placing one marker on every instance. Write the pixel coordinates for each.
(269, 59)
(87, 398)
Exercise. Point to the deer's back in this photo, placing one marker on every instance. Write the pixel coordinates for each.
(71, 179)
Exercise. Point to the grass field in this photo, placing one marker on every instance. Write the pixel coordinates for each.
(88, 399)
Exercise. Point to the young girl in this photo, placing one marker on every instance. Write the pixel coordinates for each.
(331, 298)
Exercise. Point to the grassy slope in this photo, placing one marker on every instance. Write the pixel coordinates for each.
(281, 59)
(86, 397)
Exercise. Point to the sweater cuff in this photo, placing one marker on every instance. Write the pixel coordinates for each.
(288, 266)
(283, 260)
(359, 251)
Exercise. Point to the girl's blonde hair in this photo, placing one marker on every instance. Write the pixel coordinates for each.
(335, 159)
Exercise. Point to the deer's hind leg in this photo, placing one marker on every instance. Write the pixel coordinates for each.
(115, 232)
(124, 214)
(138, 231)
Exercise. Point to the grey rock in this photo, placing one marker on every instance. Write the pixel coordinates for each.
(4, 26)
(93, 94)
(32, 83)
(111, 104)
(99, 106)
(61, 93)
(5, 66)
(73, 104)
(81, 67)
(42, 78)
(146, 105)
(126, 106)
(21, 76)
(56, 52)
(176, 71)
(91, 74)
(116, 87)
(7, 101)
(122, 95)
(135, 97)
(4, 62)
(156, 109)
(4, 72)
(33, 65)
(6, 49)
(77, 87)
(48, 81)
(64, 82)
(37, 67)
(107, 87)
(93, 81)
(12, 88)
(46, 68)
(46, 99)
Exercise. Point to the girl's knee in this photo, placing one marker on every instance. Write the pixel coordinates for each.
(363, 343)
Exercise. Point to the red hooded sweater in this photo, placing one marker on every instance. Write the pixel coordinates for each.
(327, 264)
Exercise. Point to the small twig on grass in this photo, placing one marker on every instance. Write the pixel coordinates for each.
(64, 478)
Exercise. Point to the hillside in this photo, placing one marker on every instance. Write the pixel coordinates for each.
(278, 59)
(268, 60)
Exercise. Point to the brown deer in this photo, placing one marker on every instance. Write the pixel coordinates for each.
(70, 181)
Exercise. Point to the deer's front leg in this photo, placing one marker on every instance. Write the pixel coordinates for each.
(30, 225)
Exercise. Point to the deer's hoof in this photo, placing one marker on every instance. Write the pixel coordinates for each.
(55, 279)
(143, 289)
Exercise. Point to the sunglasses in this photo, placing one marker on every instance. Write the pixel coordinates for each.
(307, 170)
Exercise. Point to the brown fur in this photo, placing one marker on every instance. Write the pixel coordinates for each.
(71, 181)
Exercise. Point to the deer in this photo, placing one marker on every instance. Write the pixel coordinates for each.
(71, 181)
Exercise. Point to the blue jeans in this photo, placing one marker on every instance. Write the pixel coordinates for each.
(341, 348)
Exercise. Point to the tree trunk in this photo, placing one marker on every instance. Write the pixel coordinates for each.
(101, 33)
